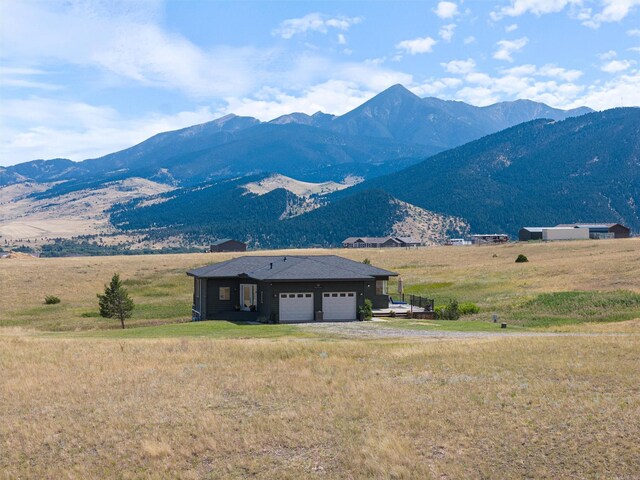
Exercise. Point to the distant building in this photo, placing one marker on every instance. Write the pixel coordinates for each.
(488, 239)
(228, 245)
(602, 230)
(530, 233)
(564, 233)
(380, 242)
(458, 242)
(574, 231)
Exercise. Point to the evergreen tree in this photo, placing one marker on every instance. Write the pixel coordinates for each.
(115, 302)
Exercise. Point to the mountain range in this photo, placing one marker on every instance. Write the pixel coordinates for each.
(392, 130)
(397, 164)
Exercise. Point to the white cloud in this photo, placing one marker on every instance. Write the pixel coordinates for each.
(460, 66)
(417, 45)
(45, 128)
(608, 55)
(446, 10)
(537, 7)
(21, 77)
(469, 40)
(436, 87)
(616, 66)
(126, 43)
(621, 90)
(511, 28)
(553, 71)
(342, 40)
(634, 32)
(313, 22)
(508, 47)
(613, 11)
(479, 96)
(446, 32)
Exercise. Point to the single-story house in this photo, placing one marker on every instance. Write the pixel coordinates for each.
(287, 289)
(228, 245)
(602, 230)
(380, 242)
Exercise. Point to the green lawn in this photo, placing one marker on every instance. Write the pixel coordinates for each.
(208, 329)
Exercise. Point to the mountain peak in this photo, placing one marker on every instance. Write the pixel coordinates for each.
(397, 91)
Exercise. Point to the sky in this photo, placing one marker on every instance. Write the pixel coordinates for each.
(83, 78)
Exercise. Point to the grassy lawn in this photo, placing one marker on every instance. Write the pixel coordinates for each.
(205, 329)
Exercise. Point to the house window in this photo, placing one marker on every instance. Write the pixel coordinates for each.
(225, 293)
(381, 287)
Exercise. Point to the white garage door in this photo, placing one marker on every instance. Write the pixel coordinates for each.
(339, 305)
(296, 307)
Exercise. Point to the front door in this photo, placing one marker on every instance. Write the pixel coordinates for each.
(248, 296)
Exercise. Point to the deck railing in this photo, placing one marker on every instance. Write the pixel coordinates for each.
(418, 301)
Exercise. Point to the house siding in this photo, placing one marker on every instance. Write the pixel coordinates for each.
(230, 246)
(268, 300)
(620, 231)
(525, 235)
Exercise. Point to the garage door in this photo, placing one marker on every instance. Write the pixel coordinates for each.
(339, 305)
(296, 307)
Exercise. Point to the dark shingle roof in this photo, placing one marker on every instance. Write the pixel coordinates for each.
(276, 268)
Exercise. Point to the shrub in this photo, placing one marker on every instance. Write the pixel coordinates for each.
(51, 300)
(366, 261)
(450, 311)
(521, 259)
(468, 308)
(366, 311)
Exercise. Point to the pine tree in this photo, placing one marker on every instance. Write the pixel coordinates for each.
(115, 302)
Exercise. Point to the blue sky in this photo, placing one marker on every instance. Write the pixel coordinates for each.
(82, 78)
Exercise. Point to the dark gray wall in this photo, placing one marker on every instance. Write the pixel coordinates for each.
(525, 235)
(230, 246)
(620, 231)
(268, 300)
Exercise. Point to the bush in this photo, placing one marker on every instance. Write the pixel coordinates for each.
(521, 259)
(366, 311)
(51, 300)
(366, 261)
(450, 311)
(468, 308)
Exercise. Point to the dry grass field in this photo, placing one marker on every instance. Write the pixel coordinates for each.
(564, 407)
(162, 291)
(81, 399)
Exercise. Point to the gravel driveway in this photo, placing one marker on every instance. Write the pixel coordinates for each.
(379, 329)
